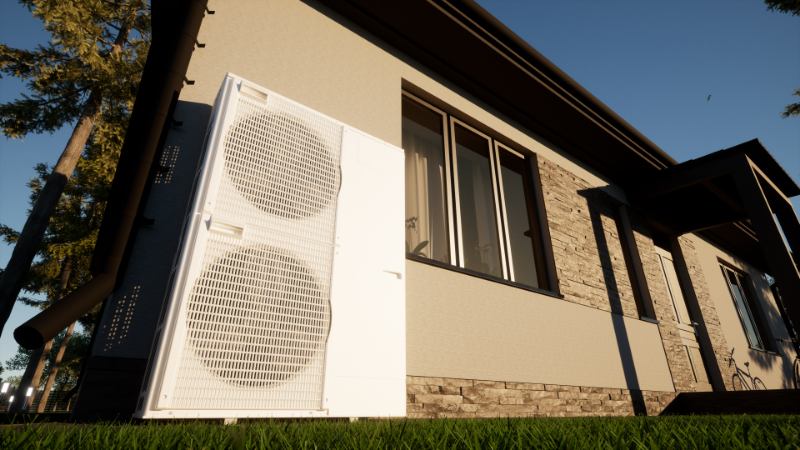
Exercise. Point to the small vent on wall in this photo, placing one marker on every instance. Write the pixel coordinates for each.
(169, 157)
(117, 329)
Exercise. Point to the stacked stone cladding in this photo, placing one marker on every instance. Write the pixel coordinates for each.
(575, 214)
(677, 358)
(708, 310)
(592, 271)
(437, 397)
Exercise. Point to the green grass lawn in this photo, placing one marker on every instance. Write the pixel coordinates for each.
(728, 432)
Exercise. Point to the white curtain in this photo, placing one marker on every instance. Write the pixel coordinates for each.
(425, 220)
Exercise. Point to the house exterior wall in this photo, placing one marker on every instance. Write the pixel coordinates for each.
(460, 326)
(773, 368)
(707, 305)
(590, 347)
(436, 397)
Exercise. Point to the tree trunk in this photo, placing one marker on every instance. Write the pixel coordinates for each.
(20, 399)
(36, 377)
(66, 272)
(51, 378)
(30, 238)
(33, 373)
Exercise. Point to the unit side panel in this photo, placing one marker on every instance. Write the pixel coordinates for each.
(365, 367)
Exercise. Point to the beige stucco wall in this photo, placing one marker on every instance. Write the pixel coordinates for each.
(458, 326)
(293, 49)
(465, 327)
(774, 369)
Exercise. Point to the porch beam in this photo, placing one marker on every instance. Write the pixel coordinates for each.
(777, 255)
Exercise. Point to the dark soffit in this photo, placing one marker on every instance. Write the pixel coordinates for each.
(468, 46)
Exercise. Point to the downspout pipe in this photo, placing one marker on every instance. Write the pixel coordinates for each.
(175, 24)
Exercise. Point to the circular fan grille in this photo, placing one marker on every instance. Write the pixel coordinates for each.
(257, 317)
(280, 165)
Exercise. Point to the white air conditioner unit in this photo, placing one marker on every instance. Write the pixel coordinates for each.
(288, 298)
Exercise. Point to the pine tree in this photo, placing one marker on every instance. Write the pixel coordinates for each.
(64, 257)
(87, 76)
(789, 7)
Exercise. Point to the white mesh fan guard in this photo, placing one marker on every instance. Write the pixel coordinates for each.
(256, 311)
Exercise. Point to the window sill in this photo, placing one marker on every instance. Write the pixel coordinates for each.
(768, 352)
(483, 276)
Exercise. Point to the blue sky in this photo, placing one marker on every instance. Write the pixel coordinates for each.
(654, 63)
(19, 156)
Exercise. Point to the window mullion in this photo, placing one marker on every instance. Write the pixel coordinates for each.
(456, 199)
(449, 186)
(495, 190)
(508, 259)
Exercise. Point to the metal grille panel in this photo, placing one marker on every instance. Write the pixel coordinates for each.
(257, 312)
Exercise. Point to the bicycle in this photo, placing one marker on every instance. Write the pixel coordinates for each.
(744, 381)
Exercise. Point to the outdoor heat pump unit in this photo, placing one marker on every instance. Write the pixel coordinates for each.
(286, 295)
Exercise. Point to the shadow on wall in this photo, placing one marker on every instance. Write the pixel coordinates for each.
(773, 320)
(747, 379)
(769, 320)
(598, 205)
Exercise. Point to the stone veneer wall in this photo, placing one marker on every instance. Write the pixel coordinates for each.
(591, 266)
(575, 213)
(592, 271)
(708, 310)
(456, 397)
(677, 358)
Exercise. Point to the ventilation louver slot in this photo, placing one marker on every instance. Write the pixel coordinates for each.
(124, 308)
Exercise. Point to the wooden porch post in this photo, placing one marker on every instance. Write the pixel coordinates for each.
(779, 259)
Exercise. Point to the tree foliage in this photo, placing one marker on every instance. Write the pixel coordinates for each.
(93, 62)
(97, 47)
(70, 235)
(786, 6)
(793, 109)
(85, 55)
(790, 7)
(69, 370)
(73, 229)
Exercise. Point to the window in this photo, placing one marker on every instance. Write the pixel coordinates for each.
(754, 329)
(470, 200)
(480, 239)
(427, 233)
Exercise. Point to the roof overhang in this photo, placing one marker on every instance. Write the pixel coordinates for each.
(704, 196)
(463, 43)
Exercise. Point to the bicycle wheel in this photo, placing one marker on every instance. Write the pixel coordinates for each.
(759, 385)
(797, 373)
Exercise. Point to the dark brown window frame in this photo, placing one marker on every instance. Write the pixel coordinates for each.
(752, 303)
(542, 245)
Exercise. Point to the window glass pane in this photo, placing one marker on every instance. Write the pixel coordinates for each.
(426, 204)
(521, 221)
(476, 201)
(745, 315)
